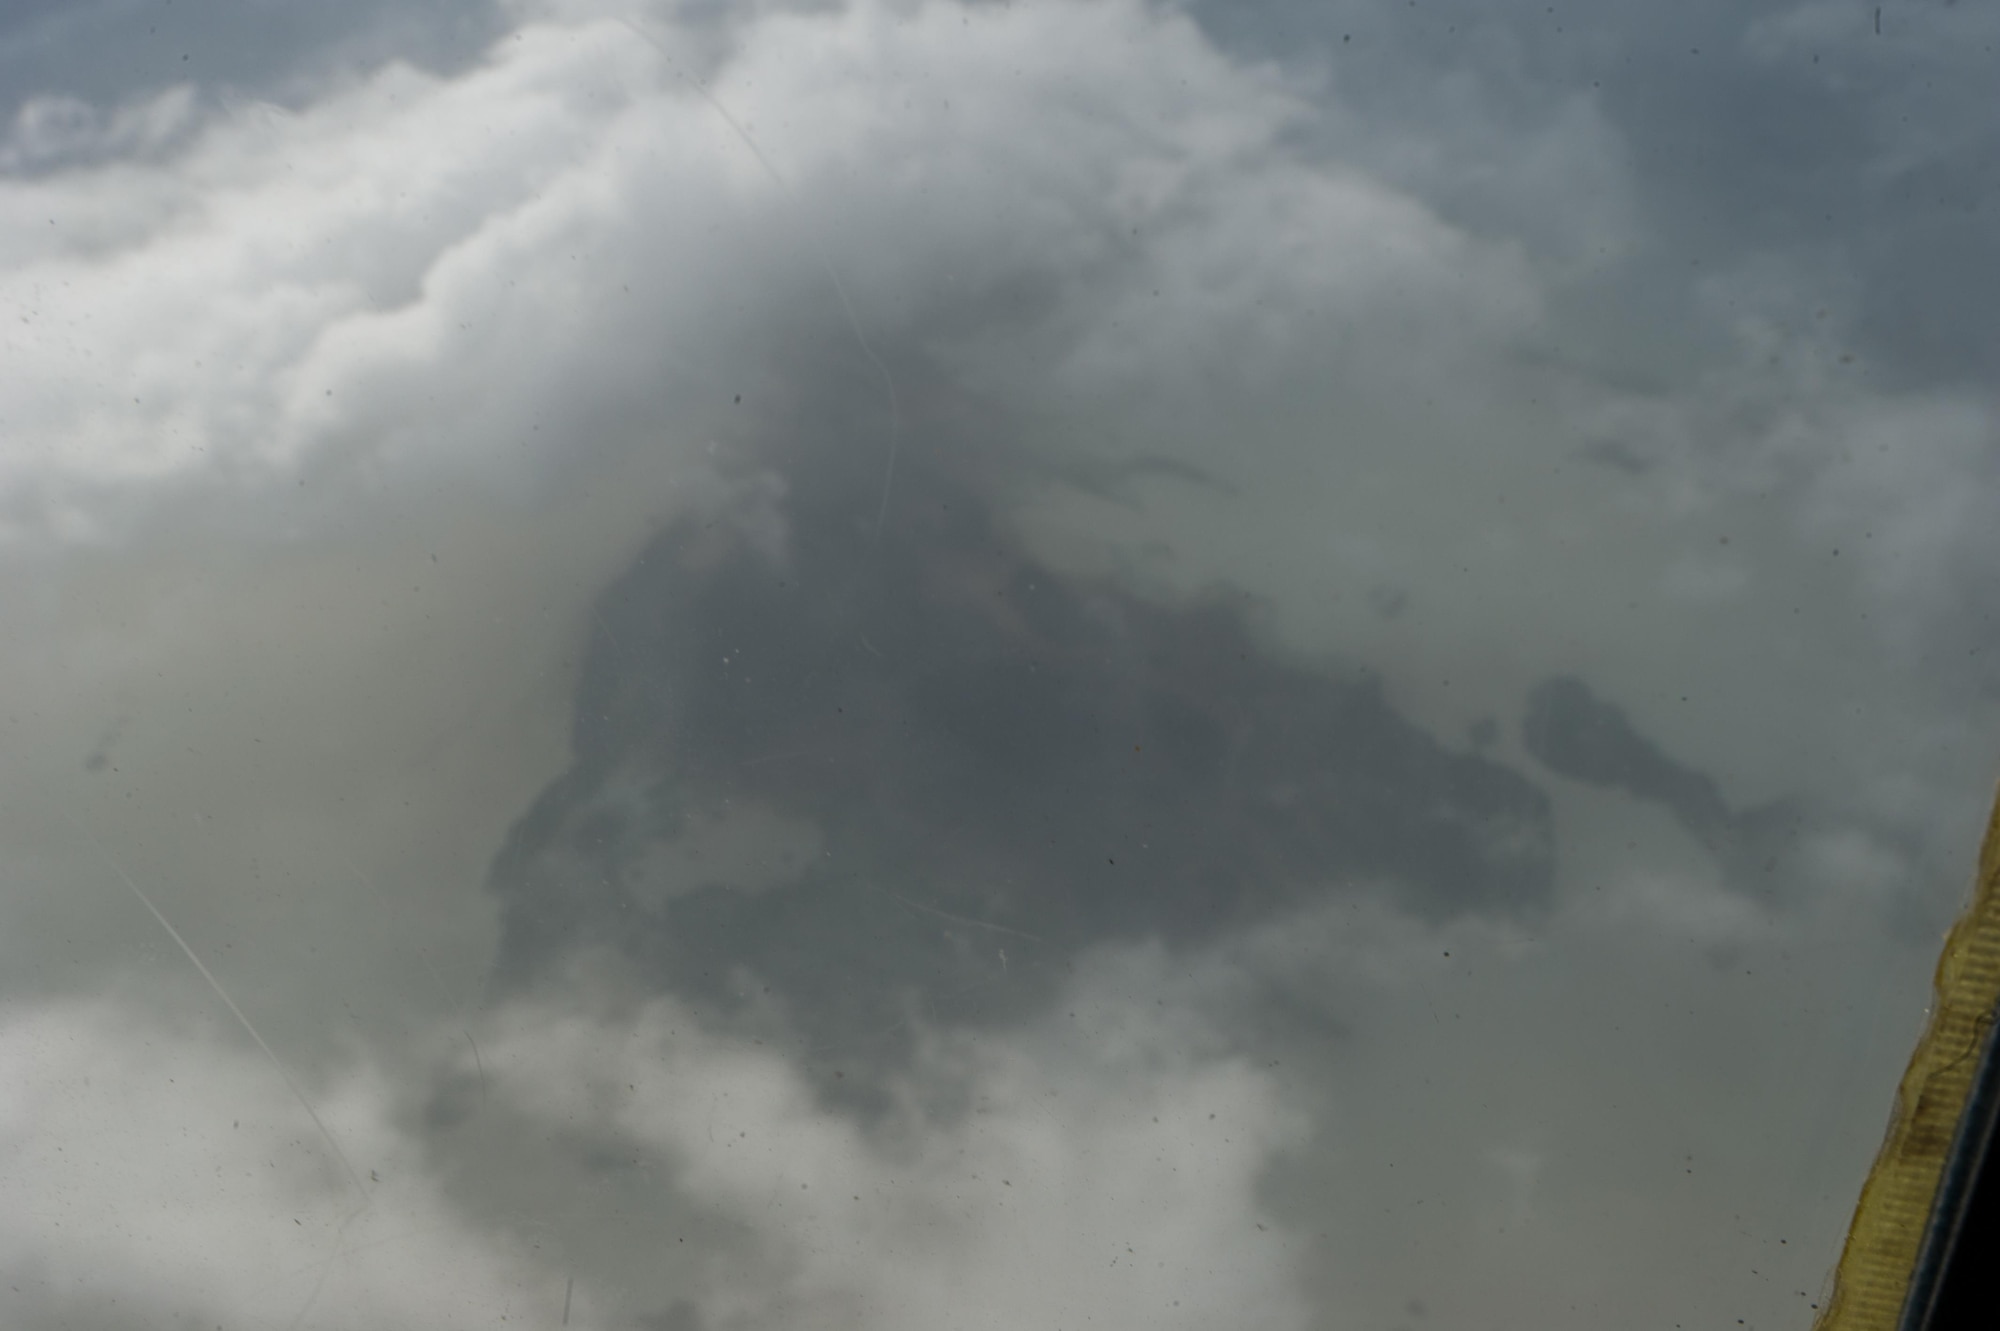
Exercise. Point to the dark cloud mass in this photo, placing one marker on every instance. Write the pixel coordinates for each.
(971, 764)
(1578, 734)
(1583, 737)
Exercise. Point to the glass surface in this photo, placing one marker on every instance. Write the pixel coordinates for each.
(917, 665)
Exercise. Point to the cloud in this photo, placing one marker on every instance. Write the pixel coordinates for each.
(1052, 1190)
(293, 325)
(337, 402)
(294, 284)
(494, 271)
(158, 1170)
(102, 51)
(57, 132)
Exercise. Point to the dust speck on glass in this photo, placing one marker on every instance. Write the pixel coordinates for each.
(908, 663)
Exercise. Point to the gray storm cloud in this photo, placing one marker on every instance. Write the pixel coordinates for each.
(651, 671)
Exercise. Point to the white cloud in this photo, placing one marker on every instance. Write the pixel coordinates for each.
(155, 1166)
(491, 271)
(157, 1171)
(1063, 1190)
(58, 131)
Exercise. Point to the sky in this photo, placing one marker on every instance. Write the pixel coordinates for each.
(1042, 664)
